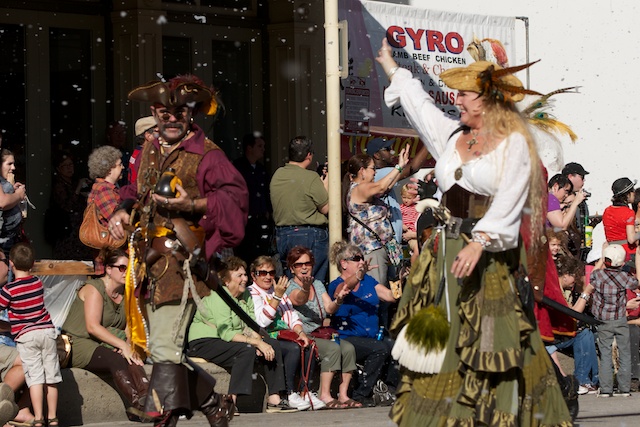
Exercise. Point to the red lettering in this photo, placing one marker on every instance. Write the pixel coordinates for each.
(415, 36)
(459, 43)
(394, 38)
(434, 41)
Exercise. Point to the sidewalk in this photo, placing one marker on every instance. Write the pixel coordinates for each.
(611, 412)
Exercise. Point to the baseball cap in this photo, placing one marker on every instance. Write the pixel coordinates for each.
(615, 253)
(143, 124)
(377, 144)
(574, 168)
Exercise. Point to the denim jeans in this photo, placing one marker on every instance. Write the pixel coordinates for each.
(618, 329)
(584, 356)
(314, 238)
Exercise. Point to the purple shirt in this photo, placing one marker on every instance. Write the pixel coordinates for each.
(553, 204)
(226, 192)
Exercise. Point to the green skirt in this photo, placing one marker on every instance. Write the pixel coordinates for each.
(496, 370)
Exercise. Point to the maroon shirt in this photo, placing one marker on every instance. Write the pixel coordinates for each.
(226, 192)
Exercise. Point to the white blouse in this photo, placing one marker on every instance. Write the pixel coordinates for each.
(502, 174)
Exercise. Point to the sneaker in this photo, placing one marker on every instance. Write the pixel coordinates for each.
(601, 394)
(316, 403)
(296, 401)
(621, 394)
(282, 407)
(635, 385)
(591, 389)
(582, 390)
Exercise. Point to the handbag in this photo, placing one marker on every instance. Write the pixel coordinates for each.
(63, 347)
(525, 293)
(381, 395)
(290, 335)
(324, 333)
(394, 252)
(95, 235)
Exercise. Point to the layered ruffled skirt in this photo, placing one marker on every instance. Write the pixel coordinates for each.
(496, 370)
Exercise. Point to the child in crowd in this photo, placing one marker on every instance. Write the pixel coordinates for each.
(409, 218)
(609, 306)
(34, 334)
(558, 242)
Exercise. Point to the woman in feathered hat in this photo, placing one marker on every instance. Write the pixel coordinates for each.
(492, 369)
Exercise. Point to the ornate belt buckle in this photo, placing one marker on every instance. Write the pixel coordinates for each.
(454, 224)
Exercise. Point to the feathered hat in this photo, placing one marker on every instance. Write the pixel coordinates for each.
(182, 90)
(489, 80)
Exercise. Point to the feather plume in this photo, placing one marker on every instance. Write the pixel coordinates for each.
(490, 82)
(538, 116)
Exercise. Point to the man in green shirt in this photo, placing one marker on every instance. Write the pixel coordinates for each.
(300, 206)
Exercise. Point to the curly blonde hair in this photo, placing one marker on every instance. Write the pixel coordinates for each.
(501, 119)
(102, 160)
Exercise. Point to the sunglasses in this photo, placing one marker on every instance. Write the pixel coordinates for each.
(302, 264)
(122, 268)
(179, 114)
(263, 273)
(355, 258)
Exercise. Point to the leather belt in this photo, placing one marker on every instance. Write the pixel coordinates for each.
(455, 226)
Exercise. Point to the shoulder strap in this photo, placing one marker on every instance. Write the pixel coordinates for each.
(367, 227)
(461, 128)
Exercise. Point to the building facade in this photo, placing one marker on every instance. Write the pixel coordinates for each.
(67, 66)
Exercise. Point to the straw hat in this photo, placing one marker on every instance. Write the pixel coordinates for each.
(488, 79)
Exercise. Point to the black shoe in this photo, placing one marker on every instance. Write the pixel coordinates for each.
(367, 402)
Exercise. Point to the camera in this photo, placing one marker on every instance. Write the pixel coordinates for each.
(586, 194)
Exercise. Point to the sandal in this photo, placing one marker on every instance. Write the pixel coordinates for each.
(53, 422)
(350, 404)
(335, 404)
(21, 423)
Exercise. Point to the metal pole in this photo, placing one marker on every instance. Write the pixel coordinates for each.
(332, 53)
(525, 19)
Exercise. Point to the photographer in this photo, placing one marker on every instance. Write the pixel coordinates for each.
(559, 188)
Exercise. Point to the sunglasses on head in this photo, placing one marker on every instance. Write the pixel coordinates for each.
(122, 268)
(263, 273)
(302, 264)
(355, 258)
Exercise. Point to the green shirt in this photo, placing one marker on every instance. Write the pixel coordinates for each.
(296, 195)
(224, 323)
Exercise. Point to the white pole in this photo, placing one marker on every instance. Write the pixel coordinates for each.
(332, 51)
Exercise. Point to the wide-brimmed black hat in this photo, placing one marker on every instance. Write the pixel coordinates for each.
(622, 185)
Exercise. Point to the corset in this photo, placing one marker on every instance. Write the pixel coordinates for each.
(465, 204)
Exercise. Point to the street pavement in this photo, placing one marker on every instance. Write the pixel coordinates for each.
(594, 411)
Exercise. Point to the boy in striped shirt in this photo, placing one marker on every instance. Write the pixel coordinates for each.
(33, 332)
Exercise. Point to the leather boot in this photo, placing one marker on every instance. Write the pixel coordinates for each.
(219, 409)
(169, 419)
(168, 392)
(134, 386)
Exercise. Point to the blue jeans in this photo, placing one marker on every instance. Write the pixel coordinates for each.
(584, 356)
(314, 238)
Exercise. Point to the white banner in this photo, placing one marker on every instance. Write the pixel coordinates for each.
(427, 42)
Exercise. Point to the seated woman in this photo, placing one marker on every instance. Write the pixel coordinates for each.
(221, 337)
(274, 311)
(357, 317)
(313, 304)
(96, 323)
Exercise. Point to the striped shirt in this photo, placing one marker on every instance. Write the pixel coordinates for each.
(24, 298)
(409, 216)
(610, 296)
(266, 314)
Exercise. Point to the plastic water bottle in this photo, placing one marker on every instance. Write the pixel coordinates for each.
(335, 337)
(380, 333)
